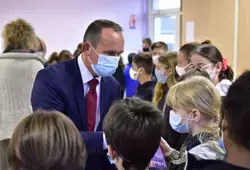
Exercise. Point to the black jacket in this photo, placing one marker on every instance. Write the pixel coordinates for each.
(194, 164)
(119, 76)
(145, 91)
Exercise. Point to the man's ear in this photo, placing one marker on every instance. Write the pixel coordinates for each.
(112, 152)
(90, 52)
(86, 48)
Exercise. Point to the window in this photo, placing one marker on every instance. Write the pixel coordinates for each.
(165, 29)
(164, 22)
(165, 4)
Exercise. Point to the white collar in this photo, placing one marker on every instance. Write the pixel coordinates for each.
(86, 75)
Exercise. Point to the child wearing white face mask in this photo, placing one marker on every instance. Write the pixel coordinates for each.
(196, 105)
(142, 67)
(184, 57)
(167, 77)
(209, 58)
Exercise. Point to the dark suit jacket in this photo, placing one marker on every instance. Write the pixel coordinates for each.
(60, 87)
(118, 75)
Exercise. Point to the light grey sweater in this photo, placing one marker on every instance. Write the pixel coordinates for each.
(17, 75)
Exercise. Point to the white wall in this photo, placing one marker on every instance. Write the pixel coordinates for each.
(62, 23)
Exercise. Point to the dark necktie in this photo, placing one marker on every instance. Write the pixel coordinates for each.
(91, 103)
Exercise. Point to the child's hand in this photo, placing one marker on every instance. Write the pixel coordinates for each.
(166, 149)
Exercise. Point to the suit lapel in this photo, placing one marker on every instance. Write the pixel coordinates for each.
(79, 93)
(103, 101)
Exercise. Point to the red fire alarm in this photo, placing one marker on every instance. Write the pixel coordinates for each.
(132, 22)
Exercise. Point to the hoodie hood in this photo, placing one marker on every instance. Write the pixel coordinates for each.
(209, 150)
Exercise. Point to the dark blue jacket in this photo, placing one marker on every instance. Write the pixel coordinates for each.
(60, 87)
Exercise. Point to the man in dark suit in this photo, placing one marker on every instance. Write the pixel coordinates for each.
(84, 89)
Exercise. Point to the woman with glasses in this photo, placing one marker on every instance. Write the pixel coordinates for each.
(209, 58)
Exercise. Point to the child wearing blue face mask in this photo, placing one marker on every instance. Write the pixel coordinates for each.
(166, 78)
(196, 105)
(234, 122)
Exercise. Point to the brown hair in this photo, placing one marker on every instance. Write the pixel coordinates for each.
(19, 35)
(144, 60)
(160, 44)
(212, 53)
(53, 57)
(147, 41)
(65, 55)
(42, 47)
(188, 48)
(46, 140)
(170, 61)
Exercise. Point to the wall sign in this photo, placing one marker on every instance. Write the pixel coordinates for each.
(132, 22)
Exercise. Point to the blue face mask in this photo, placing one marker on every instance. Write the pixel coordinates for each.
(175, 120)
(161, 78)
(106, 65)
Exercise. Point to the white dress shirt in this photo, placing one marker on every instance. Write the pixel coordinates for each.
(86, 77)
